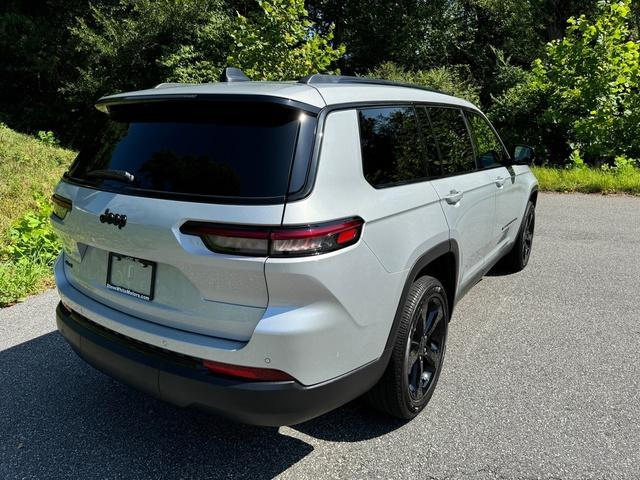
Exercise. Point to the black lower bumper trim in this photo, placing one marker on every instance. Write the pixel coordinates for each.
(184, 382)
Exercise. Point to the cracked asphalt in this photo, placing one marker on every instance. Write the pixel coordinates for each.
(541, 381)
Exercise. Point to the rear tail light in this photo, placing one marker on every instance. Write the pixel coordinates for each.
(247, 373)
(277, 241)
(61, 206)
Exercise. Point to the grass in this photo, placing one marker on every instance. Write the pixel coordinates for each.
(29, 167)
(589, 180)
(18, 281)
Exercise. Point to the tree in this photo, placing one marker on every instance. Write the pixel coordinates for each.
(36, 58)
(414, 34)
(592, 80)
(130, 45)
(281, 43)
(454, 81)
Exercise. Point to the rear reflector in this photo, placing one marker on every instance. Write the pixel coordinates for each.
(277, 241)
(61, 206)
(247, 373)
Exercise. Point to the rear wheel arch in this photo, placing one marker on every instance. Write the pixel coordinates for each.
(445, 269)
(440, 262)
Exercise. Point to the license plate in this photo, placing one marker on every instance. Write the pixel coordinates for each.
(131, 276)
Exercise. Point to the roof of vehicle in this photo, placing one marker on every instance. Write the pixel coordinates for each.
(325, 91)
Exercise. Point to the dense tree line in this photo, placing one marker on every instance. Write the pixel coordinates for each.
(559, 74)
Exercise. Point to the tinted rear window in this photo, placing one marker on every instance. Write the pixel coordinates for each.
(196, 148)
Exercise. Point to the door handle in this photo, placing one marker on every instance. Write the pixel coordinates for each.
(500, 181)
(454, 197)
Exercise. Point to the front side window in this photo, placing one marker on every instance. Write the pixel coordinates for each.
(390, 146)
(456, 149)
(490, 151)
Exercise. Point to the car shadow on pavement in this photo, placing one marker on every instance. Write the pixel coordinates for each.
(60, 418)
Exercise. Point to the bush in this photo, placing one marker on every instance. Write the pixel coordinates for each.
(27, 257)
(452, 80)
(592, 79)
(518, 114)
(48, 138)
(584, 95)
(31, 239)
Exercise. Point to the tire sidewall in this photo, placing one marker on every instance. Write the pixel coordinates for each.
(432, 288)
(530, 210)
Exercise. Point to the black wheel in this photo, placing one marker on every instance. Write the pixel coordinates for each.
(518, 257)
(416, 361)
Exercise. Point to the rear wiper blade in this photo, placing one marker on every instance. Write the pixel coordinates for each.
(121, 175)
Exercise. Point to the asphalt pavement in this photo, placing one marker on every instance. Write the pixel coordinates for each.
(541, 380)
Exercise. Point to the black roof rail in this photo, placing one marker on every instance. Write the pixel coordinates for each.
(321, 78)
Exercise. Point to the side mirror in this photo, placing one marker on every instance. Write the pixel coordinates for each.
(523, 155)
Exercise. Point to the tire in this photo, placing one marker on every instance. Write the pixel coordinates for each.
(416, 360)
(518, 257)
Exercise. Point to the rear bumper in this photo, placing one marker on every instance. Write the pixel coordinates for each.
(182, 381)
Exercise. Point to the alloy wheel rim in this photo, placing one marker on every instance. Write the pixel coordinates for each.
(425, 347)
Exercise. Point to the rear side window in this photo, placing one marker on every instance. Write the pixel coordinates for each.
(489, 148)
(224, 150)
(452, 135)
(390, 146)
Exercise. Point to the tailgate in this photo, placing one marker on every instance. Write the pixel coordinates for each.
(194, 289)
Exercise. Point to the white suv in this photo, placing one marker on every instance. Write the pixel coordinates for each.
(269, 251)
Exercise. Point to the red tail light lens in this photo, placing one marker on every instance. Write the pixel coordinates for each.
(247, 373)
(277, 241)
(315, 239)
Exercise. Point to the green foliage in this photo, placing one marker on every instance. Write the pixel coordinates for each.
(19, 281)
(589, 179)
(281, 43)
(29, 251)
(36, 58)
(48, 138)
(29, 169)
(134, 43)
(31, 238)
(27, 166)
(585, 92)
(413, 33)
(452, 80)
(139, 43)
(575, 159)
(622, 165)
(592, 79)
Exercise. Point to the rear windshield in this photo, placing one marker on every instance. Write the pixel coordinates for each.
(221, 150)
